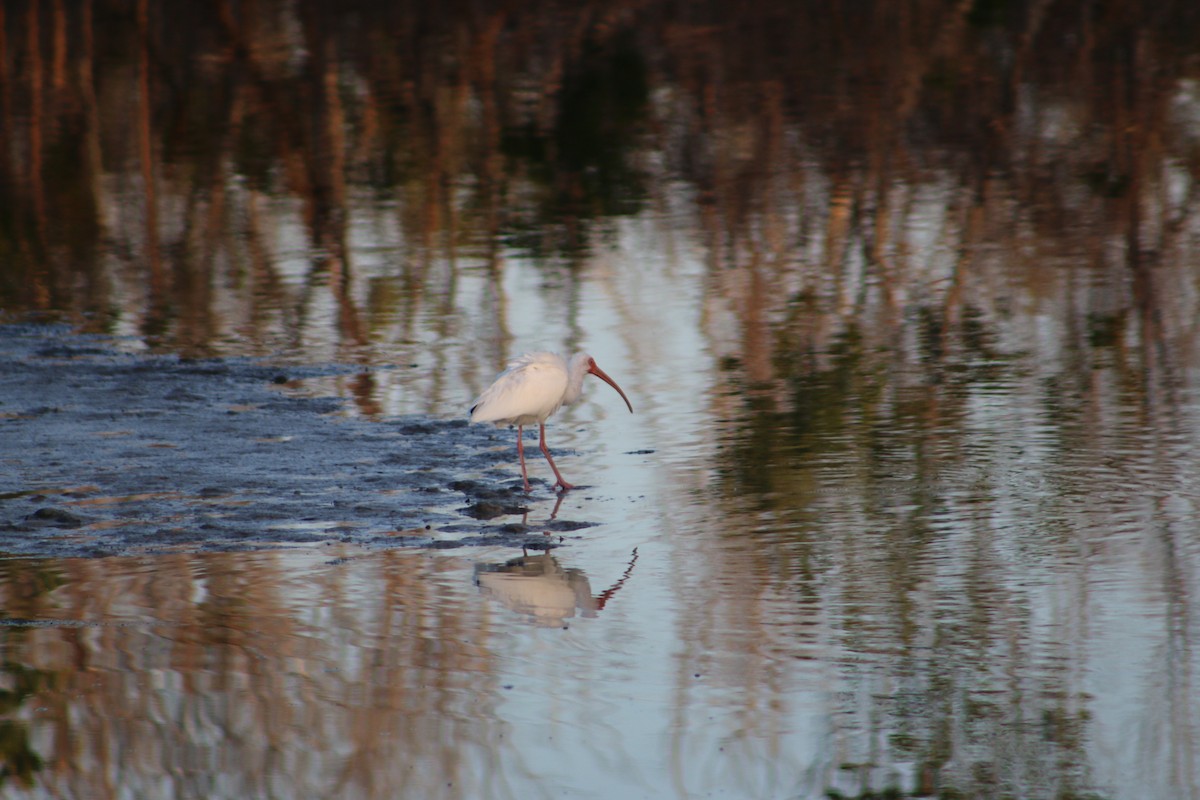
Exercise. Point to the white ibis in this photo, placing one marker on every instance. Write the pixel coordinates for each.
(531, 388)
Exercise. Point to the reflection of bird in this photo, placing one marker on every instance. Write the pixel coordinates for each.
(543, 590)
(538, 587)
(531, 388)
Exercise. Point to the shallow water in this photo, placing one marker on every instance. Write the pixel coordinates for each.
(905, 303)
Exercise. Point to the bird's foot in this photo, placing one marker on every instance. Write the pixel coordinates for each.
(563, 485)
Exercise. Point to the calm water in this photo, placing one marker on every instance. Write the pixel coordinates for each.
(906, 304)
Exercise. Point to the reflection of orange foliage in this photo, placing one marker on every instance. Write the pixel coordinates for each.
(235, 665)
(846, 161)
(874, 188)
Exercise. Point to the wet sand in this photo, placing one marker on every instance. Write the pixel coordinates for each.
(110, 453)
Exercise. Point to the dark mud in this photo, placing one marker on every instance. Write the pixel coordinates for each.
(106, 453)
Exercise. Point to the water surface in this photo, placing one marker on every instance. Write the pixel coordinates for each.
(905, 302)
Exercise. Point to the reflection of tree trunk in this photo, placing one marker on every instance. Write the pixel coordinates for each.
(91, 112)
(1179, 719)
(40, 291)
(58, 68)
(880, 237)
(1130, 129)
(96, 285)
(326, 162)
(329, 164)
(265, 286)
(500, 337)
(493, 164)
(756, 333)
(841, 209)
(146, 159)
(365, 389)
(5, 83)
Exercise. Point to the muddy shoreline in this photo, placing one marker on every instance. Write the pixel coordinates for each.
(109, 453)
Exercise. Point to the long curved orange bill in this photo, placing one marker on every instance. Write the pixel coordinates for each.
(599, 373)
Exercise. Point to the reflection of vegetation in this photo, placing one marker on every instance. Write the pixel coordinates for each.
(513, 123)
(585, 163)
(1104, 330)
(883, 462)
(24, 584)
(992, 13)
(876, 188)
(842, 401)
(817, 405)
(25, 580)
(19, 759)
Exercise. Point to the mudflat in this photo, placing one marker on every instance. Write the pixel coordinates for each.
(104, 452)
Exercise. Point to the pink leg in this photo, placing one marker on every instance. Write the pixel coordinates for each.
(521, 454)
(546, 452)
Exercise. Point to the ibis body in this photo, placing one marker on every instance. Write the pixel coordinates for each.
(531, 388)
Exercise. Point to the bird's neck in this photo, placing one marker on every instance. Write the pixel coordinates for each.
(576, 372)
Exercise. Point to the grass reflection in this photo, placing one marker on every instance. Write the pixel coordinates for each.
(19, 758)
(495, 126)
(25, 587)
(268, 670)
(941, 256)
(947, 496)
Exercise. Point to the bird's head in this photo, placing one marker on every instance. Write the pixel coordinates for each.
(599, 373)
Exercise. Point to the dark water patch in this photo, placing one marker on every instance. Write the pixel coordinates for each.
(111, 453)
(565, 525)
(61, 351)
(315, 405)
(511, 536)
(486, 509)
(479, 490)
(52, 518)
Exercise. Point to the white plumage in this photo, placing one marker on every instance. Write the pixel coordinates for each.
(531, 388)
